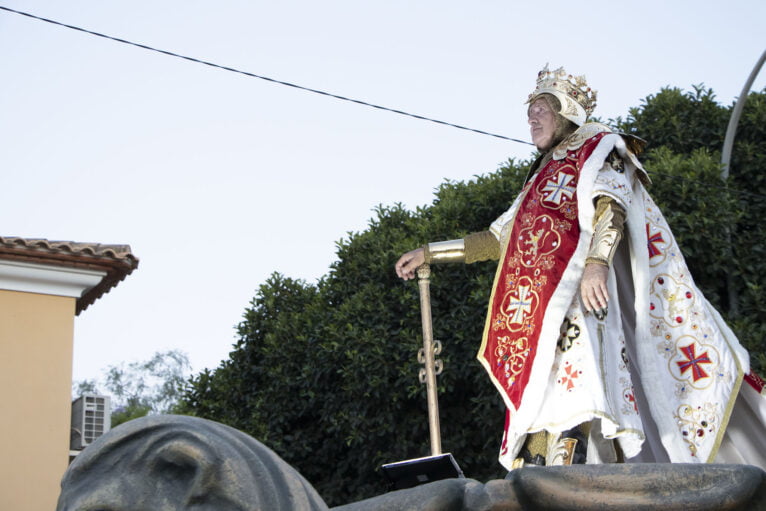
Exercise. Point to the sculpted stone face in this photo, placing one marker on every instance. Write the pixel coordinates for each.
(542, 124)
(176, 463)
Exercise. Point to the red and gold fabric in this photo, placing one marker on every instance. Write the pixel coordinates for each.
(541, 243)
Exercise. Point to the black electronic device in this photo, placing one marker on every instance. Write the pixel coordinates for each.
(410, 473)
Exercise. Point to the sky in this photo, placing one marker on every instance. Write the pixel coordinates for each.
(217, 180)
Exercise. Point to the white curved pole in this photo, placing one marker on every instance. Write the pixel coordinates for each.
(731, 130)
(728, 144)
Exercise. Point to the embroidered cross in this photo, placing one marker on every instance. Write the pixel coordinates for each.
(569, 332)
(653, 239)
(569, 379)
(694, 362)
(521, 305)
(559, 190)
(632, 400)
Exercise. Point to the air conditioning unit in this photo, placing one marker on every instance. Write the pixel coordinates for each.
(91, 418)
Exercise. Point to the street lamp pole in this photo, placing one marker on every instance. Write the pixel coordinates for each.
(728, 145)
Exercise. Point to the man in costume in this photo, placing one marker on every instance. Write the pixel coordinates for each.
(596, 336)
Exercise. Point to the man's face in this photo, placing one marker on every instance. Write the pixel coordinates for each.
(542, 124)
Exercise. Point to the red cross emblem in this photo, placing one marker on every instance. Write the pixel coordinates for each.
(694, 362)
(652, 239)
(569, 378)
(632, 400)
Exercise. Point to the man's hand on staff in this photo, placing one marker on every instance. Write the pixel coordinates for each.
(409, 263)
(595, 297)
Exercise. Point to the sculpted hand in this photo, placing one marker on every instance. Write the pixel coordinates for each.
(595, 297)
(409, 262)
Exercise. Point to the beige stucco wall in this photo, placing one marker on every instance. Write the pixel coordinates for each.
(36, 338)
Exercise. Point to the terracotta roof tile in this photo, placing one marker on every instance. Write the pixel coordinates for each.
(116, 260)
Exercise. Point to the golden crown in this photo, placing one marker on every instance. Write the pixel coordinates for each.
(577, 99)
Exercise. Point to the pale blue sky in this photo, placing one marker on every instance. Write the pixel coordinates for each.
(217, 180)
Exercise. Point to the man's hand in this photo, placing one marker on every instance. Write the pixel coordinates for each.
(409, 262)
(595, 297)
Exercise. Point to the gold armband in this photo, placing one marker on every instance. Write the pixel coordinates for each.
(481, 246)
(452, 251)
(607, 231)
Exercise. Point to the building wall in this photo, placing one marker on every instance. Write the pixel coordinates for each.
(36, 343)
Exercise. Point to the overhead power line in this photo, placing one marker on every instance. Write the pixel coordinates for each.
(260, 77)
(308, 89)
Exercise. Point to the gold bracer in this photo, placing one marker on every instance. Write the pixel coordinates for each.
(607, 231)
(481, 246)
(452, 251)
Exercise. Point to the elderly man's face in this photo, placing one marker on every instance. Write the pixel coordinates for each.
(542, 124)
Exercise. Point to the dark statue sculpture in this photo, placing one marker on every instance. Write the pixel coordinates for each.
(171, 462)
(174, 462)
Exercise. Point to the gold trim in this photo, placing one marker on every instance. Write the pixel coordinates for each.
(729, 407)
(601, 327)
(601, 352)
(561, 452)
(593, 414)
(452, 251)
(606, 237)
(578, 138)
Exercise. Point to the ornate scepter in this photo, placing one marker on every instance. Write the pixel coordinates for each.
(426, 354)
(409, 473)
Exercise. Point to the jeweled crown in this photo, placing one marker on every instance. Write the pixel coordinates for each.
(577, 99)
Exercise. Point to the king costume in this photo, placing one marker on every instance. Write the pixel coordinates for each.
(659, 377)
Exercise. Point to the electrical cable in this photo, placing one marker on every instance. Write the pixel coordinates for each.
(260, 77)
(307, 89)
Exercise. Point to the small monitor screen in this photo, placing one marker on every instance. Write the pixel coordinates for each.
(410, 473)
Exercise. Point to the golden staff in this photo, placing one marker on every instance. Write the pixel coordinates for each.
(426, 354)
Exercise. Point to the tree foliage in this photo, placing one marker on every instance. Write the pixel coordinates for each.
(326, 373)
(141, 388)
(681, 121)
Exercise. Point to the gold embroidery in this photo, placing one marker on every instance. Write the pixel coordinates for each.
(537, 240)
(574, 141)
(695, 424)
(606, 236)
(671, 300)
(513, 353)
